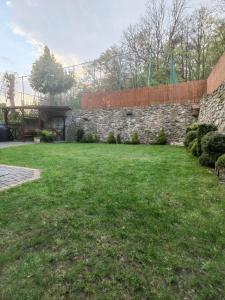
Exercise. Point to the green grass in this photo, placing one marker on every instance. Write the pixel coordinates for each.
(112, 222)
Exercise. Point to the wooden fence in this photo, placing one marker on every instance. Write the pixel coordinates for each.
(187, 92)
(217, 76)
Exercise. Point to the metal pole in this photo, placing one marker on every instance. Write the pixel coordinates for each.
(22, 91)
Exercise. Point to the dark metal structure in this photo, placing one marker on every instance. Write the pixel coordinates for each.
(24, 121)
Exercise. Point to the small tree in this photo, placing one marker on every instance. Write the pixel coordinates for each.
(10, 87)
(161, 139)
(48, 77)
(111, 138)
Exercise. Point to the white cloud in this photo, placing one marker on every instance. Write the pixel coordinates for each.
(8, 3)
(75, 30)
(28, 37)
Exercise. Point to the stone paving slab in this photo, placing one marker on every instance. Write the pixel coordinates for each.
(11, 176)
(13, 144)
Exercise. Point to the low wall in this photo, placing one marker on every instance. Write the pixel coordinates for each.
(213, 108)
(146, 121)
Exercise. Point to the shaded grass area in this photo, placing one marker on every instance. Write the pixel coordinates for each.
(112, 222)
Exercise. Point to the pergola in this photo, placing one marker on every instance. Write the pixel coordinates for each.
(43, 117)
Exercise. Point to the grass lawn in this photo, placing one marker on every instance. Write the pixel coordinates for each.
(112, 222)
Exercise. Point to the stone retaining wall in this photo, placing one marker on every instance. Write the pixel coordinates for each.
(146, 121)
(213, 108)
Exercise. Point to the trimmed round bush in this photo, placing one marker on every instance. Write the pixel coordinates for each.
(111, 139)
(203, 129)
(194, 147)
(207, 160)
(192, 127)
(189, 138)
(213, 143)
(80, 134)
(161, 138)
(90, 138)
(220, 163)
(118, 139)
(220, 167)
(135, 139)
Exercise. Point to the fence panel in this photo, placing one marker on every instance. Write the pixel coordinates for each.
(187, 92)
(217, 76)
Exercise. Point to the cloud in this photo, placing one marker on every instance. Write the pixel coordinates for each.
(75, 30)
(67, 60)
(28, 36)
(5, 58)
(8, 3)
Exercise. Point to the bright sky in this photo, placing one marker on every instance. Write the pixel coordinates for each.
(75, 30)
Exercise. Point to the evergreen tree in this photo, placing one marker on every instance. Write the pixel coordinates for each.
(48, 77)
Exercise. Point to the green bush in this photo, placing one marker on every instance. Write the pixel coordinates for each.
(97, 139)
(134, 138)
(192, 127)
(111, 139)
(90, 138)
(80, 135)
(220, 163)
(207, 160)
(118, 139)
(84, 139)
(190, 137)
(47, 136)
(213, 143)
(203, 129)
(161, 138)
(194, 147)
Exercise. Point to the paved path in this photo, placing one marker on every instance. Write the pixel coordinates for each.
(13, 144)
(11, 176)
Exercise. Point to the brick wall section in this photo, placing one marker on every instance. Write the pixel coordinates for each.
(182, 93)
(217, 76)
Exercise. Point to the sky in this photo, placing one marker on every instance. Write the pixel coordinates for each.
(75, 30)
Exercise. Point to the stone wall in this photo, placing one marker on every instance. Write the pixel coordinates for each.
(146, 121)
(213, 108)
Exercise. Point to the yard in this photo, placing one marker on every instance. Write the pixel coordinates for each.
(112, 222)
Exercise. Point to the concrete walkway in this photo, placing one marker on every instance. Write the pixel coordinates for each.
(13, 144)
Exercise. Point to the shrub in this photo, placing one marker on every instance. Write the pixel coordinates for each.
(192, 127)
(203, 129)
(80, 135)
(194, 147)
(97, 139)
(220, 167)
(134, 138)
(118, 139)
(90, 138)
(220, 163)
(161, 138)
(84, 139)
(207, 160)
(213, 143)
(47, 136)
(111, 139)
(189, 138)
